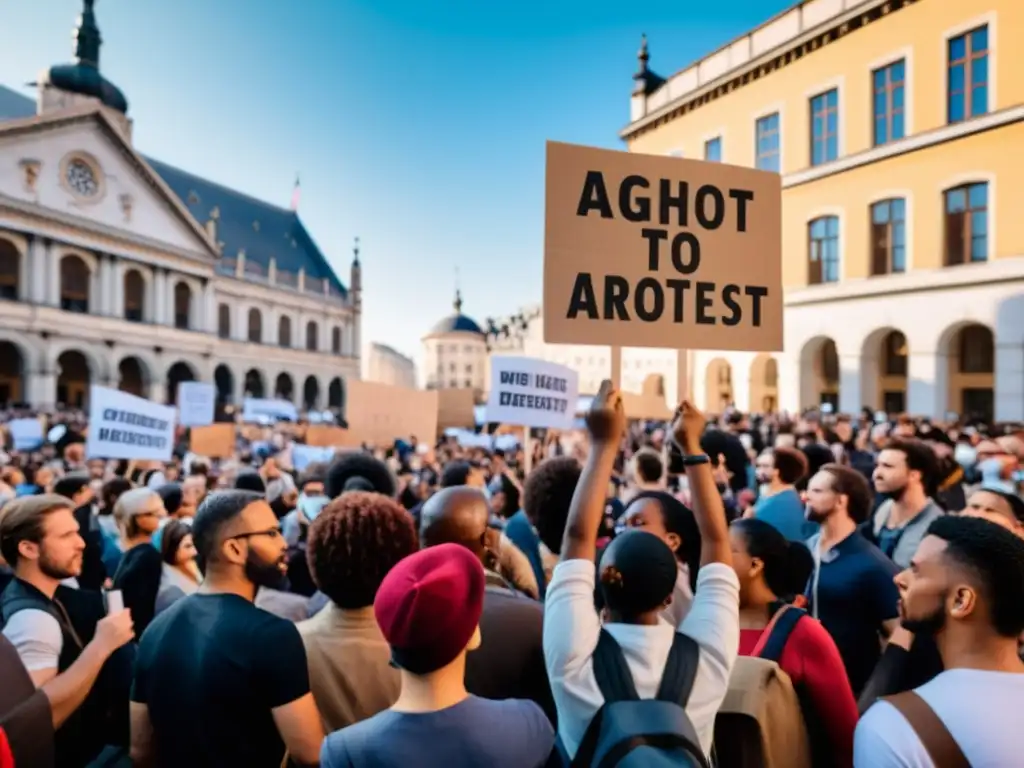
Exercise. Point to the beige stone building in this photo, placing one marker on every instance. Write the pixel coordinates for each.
(120, 270)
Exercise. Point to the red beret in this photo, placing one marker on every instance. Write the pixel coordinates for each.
(429, 605)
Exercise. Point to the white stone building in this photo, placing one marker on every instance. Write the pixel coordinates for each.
(120, 270)
(387, 365)
(455, 352)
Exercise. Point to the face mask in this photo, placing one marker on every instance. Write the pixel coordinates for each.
(312, 506)
(965, 455)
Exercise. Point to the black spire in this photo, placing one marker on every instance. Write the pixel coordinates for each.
(458, 294)
(647, 82)
(83, 77)
(87, 37)
(355, 253)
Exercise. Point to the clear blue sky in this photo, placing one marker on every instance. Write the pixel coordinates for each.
(418, 126)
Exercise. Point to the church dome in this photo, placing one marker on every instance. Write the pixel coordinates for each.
(83, 77)
(456, 323)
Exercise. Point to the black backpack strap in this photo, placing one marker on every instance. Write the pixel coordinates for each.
(781, 630)
(611, 671)
(680, 670)
(616, 683)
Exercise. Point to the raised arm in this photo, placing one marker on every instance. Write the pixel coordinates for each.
(707, 504)
(606, 424)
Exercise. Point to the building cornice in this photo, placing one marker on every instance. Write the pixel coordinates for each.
(86, 233)
(1005, 269)
(711, 83)
(918, 141)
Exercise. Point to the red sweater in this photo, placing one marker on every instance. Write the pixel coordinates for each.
(812, 661)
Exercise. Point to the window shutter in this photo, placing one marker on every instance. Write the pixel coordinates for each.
(879, 249)
(956, 246)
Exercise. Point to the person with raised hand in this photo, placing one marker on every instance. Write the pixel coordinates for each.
(638, 573)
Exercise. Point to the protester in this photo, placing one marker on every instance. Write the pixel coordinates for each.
(237, 692)
(428, 608)
(772, 572)
(179, 573)
(511, 664)
(851, 590)
(965, 586)
(905, 472)
(353, 544)
(48, 624)
(778, 472)
(638, 578)
(139, 513)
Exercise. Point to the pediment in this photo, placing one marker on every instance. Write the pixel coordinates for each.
(79, 165)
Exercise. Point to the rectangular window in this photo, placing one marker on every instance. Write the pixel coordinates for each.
(713, 149)
(966, 211)
(888, 237)
(766, 136)
(823, 251)
(888, 107)
(967, 72)
(825, 127)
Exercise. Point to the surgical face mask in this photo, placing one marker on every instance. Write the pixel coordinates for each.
(965, 455)
(312, 506)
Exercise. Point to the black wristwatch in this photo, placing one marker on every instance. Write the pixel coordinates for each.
(696, 459)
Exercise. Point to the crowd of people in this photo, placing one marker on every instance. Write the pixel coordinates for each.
(821, 590)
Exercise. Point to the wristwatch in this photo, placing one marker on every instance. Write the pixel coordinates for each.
(696, 459)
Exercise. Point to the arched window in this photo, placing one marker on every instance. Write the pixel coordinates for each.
(284, 331)
(312, 334)
(224, 321)
(966, 211)
(134, 296)
(336, 340)
(255, 326)
(74, 285)
(10, 270)
(823, 250)
(182, 305)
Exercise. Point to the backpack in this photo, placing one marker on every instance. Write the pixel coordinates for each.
(630, 732)
(773, 640)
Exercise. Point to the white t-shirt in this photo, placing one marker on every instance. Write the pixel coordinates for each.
(981, 709)
(37, 638)
(572, 628)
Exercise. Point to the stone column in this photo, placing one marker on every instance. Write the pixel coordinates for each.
(117, 288)
(53, 274)
(42, 389)
(1009, 382)
(789, 383)
(37, 268)
(212, 314)
(160, 296)
(101, 299)
(158, 391)
(850, 400)
(926, 390)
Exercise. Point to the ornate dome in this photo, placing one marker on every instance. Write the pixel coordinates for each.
(456, 323)
(83, 77)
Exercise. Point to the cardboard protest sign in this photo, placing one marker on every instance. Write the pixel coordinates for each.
(195, 403)
(381, 413)
(265, 410)
(650, 251)
(123, 426)
(529, 392)
(216, 441)
(455, 408)
(325, 435)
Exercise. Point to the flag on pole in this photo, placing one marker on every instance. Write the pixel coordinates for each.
(296, 194)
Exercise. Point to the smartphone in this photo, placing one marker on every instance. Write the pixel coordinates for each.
(115, 601)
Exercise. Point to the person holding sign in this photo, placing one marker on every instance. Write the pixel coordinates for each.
(638, 573)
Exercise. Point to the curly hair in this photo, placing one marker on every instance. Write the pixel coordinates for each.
(993, 559)
(547, 494)
(358, 464)
(353, 544)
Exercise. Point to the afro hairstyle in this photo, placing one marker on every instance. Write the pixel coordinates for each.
(358, 464)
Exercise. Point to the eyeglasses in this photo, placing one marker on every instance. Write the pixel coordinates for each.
(273, 533)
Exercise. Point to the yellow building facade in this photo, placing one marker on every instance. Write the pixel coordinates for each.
(898, 128)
